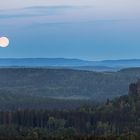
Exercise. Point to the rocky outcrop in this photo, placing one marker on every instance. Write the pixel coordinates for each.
(134, 88)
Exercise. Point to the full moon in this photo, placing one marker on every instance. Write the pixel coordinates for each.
(4, 42)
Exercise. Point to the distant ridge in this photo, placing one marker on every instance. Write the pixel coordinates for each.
(43, 62)
(105, 65)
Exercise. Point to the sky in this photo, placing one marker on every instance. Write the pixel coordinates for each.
(91, 29)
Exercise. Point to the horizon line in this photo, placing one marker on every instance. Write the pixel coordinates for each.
(121, 59)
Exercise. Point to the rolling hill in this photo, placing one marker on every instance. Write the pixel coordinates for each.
(66, 83)
(106, 65)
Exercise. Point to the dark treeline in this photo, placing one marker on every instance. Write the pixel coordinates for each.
(115, 119)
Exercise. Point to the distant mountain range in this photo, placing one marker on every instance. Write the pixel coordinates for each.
(105, 65)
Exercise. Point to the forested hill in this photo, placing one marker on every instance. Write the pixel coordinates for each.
(66, 84)
(118, 119)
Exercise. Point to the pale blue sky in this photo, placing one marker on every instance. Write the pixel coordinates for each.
(91, 29)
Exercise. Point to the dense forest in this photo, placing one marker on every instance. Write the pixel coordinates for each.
(27, 112)
(65, 83)
(118, 119)
(10, 101)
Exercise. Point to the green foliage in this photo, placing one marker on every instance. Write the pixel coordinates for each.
(119, 117)
(64, 83)
(28, 115)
